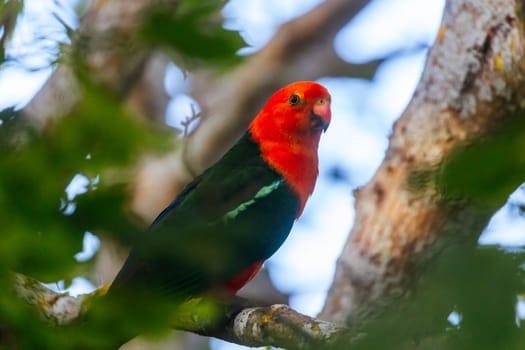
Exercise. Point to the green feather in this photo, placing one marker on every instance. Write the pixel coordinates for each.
(263, 192)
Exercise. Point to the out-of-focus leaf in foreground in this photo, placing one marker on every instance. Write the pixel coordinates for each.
(99, 140)
(9, 11)
(479, 287)
(489, 170)
(194, 30)
(42, 226)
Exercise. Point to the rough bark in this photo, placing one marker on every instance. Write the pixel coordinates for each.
(472, 82)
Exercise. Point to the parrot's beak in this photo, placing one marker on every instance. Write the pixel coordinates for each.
(318, 122)
(321, 114)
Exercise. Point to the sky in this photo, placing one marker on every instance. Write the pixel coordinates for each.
(354, 145)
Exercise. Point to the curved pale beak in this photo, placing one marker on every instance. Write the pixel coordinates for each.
(321, 114)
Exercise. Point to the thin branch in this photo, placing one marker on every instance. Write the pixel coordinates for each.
(57, 308)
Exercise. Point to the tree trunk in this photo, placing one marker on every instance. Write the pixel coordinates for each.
(472, 82)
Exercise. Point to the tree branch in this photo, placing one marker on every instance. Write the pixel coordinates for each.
(99, 41)
(276, 325)
(402, 219)
(57, 308)
(279, 326)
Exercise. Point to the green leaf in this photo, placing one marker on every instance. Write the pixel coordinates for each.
(9, 11)
(194, 30)
(99, 140)
(489, 170)
(480, 284)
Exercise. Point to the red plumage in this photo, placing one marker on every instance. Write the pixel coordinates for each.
(288, 134)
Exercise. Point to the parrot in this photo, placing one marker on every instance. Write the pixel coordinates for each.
(222, 226)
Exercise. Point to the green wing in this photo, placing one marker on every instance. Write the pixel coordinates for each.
(236, 213)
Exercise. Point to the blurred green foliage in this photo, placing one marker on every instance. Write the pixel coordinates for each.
(41, 228)
(488, 170)
(39, 236)
(481, 286)
(97, 138)
(9, 11)
(193, 30)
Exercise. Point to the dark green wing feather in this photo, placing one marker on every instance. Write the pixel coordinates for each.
(236, 213)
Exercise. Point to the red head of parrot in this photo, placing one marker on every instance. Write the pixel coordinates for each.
(288, 130)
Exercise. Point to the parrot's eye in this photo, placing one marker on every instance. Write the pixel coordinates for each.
(294, 99)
